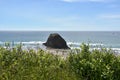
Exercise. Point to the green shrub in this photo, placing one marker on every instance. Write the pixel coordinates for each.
(30, 65)
(17, 64)
(95, 65)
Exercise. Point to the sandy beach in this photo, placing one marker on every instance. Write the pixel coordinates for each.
(60, 52)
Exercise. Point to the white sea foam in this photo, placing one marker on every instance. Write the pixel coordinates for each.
(78, 44)
(96, 44)
(116, 50)
(73, 45)
(30, 42)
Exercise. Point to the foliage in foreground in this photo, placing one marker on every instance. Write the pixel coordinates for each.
(17, 64)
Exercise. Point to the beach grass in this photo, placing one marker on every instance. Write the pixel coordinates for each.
(18, 64)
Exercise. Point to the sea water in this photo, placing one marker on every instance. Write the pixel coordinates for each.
(34, 39)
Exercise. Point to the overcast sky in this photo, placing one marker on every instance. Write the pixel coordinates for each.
(60, 15)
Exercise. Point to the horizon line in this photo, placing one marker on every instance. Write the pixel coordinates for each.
(68, 30)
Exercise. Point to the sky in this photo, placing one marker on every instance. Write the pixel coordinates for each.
(60, 15)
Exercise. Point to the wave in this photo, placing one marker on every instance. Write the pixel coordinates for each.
(41, 42)
(93, 46)
(29, 42)
(78, 44)
(72, 45)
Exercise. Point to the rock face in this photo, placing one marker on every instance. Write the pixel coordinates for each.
(56, 41)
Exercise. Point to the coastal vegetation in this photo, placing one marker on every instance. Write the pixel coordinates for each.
(18, 64)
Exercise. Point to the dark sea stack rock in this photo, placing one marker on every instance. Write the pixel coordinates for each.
(56, 41)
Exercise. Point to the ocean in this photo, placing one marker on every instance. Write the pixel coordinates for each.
(33, 39)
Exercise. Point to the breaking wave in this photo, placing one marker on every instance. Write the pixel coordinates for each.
(38, 44)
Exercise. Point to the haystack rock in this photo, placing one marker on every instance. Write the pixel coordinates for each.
(56, 41)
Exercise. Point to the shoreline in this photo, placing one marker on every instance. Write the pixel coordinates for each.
(60, 52)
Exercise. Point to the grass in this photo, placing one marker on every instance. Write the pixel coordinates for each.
(17, 64)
